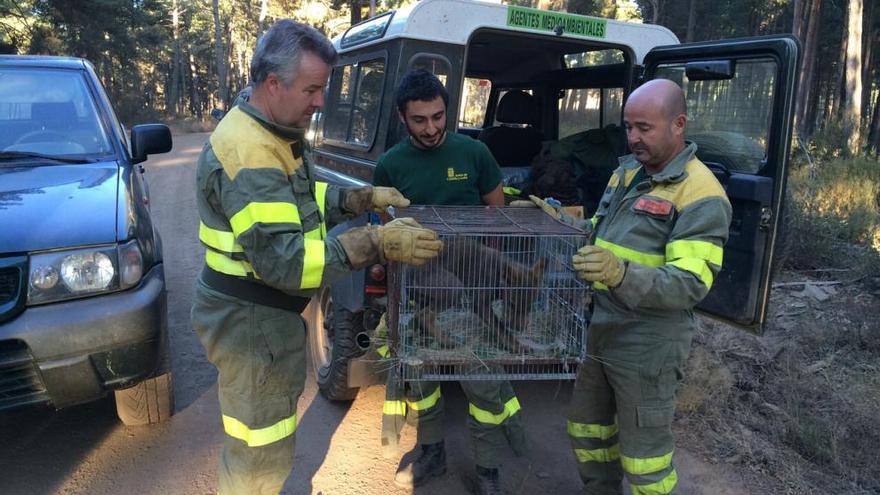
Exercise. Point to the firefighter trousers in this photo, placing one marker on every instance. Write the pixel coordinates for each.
(620, 419)
(494, 418)
(259, 352)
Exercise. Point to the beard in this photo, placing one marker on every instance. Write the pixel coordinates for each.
(419, 140)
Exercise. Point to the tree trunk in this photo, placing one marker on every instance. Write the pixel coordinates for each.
(692, 18)
(264, 12)
(874, 134)
(355, 12)
(196, 102)
(797, 23)
(811, 106)
(839, 79)
(655, 15)
(220, 57)
(174, 91)
(853, 113)
(870, 37)
(810, 26)
(372, 8)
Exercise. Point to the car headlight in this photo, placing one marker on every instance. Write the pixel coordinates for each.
(69, 274)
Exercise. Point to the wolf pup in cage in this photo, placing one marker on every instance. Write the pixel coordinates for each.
(440, 168)
(465, 263)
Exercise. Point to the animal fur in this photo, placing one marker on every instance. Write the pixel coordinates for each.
(488, 274)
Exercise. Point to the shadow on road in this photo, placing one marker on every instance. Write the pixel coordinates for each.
(40, 448)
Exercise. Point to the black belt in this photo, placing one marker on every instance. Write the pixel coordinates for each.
(253, 291)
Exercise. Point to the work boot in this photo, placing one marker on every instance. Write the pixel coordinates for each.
(431, 463)
(488, 482)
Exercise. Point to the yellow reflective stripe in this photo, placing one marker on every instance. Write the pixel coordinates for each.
(314, 234)
(594, 221)
(220, 240)
(427, 402)
(600, 286)
(321, 199)
(610, 454)
(394, 408)
(263, 213)
(646, 465)
(483, 416)
(584, 430)
(227, 265)
(260, 436)
(398, 407)
(696, 266)
(383, 351)
(647, 259)
(512, 191)
(662, 487)
(703, 250)
(313, 264)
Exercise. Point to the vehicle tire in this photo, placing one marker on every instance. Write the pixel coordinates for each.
(332, 342)
(150, 401)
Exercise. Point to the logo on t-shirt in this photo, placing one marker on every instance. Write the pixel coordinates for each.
(451, 176)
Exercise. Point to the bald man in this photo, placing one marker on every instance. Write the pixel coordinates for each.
(658, 237)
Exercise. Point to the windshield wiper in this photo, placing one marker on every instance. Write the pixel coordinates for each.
(16, 155)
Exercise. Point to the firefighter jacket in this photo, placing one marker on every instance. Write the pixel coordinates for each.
(670, 229)
(263, 216)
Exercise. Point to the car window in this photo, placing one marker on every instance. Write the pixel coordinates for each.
(50, 112)
(354, 101)
(433, 63)
(581, 109)
(593, 58)
(475, 99)
(730, 130)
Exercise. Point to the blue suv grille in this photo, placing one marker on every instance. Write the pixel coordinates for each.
(12, 285)
(8, 284)
(20, 382)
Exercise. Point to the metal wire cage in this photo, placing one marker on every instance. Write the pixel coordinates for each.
(500, 302)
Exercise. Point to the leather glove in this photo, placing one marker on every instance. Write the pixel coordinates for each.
(597, 264)
(360, 199)
(554, 211)
(404, 240)
(384, 197)
(361, 245)
(536, 202)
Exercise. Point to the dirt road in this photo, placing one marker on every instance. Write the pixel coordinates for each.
(85, 450)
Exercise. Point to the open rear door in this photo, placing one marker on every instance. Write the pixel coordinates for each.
(740, 96)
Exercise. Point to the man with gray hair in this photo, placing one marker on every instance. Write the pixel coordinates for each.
(264, 227)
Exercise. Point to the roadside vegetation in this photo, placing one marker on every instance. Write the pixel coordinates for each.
(796, 408)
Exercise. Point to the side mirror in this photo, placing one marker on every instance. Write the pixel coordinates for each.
(710, 70)
(149, 139)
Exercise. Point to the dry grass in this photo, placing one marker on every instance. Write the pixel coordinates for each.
(834, 215)
(796, 408)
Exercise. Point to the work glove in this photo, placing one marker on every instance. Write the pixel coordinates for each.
(597, 264)
(536, 202)
(404, 240)
(553, 208)
(360, 199)
(383, 197)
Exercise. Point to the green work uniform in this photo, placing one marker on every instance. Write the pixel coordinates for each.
(458, 172)
(670, 229)
(263, 226)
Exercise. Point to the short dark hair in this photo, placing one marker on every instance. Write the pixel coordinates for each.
(419, 85)
(279, 50)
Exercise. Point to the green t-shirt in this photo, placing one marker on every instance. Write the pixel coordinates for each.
(457, 173)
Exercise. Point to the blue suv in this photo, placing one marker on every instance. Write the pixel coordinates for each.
(82, 284)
